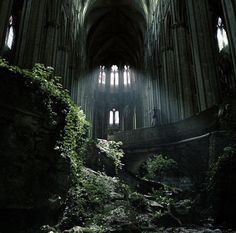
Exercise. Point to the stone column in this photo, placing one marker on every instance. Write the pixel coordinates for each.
(185, 76)
(31, 30)
(203, 53)
(5, 12)
(229, 7)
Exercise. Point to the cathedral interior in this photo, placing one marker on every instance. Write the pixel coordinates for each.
(153, 79)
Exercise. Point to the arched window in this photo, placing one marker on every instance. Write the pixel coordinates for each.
(114, 76)
(117, 118)
(114, 118)
(111, 118)
(10, 36)
(221, 35)
(127, 78)
(102, 76)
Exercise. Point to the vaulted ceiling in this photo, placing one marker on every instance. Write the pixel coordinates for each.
(115, 31)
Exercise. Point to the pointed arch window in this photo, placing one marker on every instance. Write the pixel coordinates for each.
(222, 37)
(102, 76)
(10, 36)
(114, 76)
(127, 78)
(114, 117)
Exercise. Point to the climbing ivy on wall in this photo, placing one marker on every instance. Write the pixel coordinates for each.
(76, 127)
(113, 151)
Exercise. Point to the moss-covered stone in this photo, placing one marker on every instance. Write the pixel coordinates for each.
(41, 132)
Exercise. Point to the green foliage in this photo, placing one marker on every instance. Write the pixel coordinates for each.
(158, 165)
(165, 198)
(227, 156)
(113, 151)
(3, 63)
(76, 127)
(93, 192)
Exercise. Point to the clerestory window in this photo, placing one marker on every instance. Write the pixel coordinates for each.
(221, 35)
(10, 34)
(127, 78)
(114, 76)
(102, 76)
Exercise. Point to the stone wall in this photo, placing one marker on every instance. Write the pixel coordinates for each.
(182, 56)
(194, 143)
(195, 126)
(34, 177)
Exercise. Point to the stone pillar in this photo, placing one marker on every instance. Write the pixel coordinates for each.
(5, 12)
(50, 43)
(31, 32)
(203, 53)
(51, 31)
(183, 58)
(170, 86)
(229, 7)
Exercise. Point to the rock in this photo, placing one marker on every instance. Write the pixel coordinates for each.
(138, 201)
(167, 220)
(211, 231)
(116, 196)
(184, 211)
(55, 202)
(47, 229)
(78, 229)
(183, 207)
(123, 228)
(155, 205)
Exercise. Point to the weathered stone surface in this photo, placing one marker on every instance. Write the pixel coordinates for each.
(34, 177)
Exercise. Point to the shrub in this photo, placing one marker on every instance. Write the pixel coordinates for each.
(157, 166)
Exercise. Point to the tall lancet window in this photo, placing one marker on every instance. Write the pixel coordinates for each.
(114, 118)
(114, 76)
(221, 35)
(127, 78)
(10, 36)
(102, 76)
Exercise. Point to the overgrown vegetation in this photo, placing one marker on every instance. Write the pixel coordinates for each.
(157, 166)
(113, 151)
(228, 155)
(104, 204)
(74, 134)
(220, 190)
(97, 202)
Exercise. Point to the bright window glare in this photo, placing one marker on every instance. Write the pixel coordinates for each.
(117, 118)
(10, 34)
(111, 118)
(114, 118)
(127, 79)
(102, 76)
(221, 35)
(112, 79)
(114, 75)
(116, 79)
(10, 38)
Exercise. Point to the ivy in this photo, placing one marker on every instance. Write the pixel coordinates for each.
(76, 127)
(113, 151)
